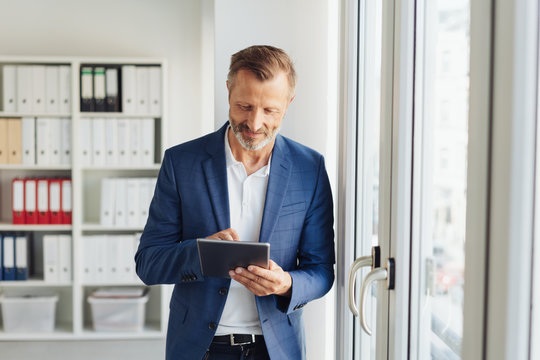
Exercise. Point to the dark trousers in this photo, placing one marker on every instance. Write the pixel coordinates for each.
(255, 351)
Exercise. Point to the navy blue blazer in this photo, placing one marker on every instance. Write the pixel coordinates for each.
(191, 201)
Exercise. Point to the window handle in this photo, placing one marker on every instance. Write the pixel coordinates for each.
(378, 274)
(372, 261)
(361, 262)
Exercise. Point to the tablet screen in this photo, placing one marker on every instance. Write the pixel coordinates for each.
(219, 256)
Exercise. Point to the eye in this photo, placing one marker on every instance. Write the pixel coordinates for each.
(244, 107)
(270, 111)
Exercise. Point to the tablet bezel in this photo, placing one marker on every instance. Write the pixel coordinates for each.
(217, 257)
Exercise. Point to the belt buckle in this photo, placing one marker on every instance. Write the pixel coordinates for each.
(233, 343)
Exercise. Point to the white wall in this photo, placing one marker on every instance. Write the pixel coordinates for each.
(301, 29)
(307, 31)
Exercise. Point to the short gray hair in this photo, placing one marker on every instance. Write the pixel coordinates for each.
(263, 61)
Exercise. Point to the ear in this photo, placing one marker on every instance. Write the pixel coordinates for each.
(292, 98)
(228, 89)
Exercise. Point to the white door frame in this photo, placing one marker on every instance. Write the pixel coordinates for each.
(515, 56)
(395, 143)
(480, 103)
(347, 169)
(400, 115)
(500, 180)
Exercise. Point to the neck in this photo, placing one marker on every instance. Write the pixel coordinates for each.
(252, 160)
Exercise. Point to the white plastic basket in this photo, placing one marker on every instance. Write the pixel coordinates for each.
(29, 313)
(110, 314)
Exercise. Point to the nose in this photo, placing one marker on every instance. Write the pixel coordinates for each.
(255, 119)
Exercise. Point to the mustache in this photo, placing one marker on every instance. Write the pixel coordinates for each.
(241, 127)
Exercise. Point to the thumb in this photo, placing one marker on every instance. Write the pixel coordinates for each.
(272, 265)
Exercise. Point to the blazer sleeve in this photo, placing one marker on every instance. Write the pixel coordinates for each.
(314, 274)
(162, 256)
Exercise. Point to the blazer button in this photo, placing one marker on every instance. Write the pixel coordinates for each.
(222, 291)
(212, 326)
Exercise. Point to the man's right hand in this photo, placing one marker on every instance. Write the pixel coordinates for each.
(227, 234)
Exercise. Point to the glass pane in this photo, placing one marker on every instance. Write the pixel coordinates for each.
(368, 124)
(441, 116)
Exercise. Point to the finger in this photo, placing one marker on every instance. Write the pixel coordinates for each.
(217, 236)
(260, 272)
(271, 274)
(276, 281)
(272, 265)
(227, 234)
(257, 286)
(252, 279)
(234, 234)
(246, 282)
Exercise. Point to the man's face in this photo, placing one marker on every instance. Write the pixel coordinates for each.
(256, 108)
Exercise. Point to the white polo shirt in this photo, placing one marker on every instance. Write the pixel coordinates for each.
(246, 205)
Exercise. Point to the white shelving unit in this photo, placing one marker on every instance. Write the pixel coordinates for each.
(73, 317)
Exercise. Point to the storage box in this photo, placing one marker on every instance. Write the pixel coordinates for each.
(118, 314)
(29, 313)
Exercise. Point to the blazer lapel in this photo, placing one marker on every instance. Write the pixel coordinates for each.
(280, 173)
(215, 173)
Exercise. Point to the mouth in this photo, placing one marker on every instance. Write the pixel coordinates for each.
(253, 134)
(252, 140)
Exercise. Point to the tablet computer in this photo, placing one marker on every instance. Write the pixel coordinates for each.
(219, 256)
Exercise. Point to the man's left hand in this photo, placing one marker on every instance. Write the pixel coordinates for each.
(262, 282)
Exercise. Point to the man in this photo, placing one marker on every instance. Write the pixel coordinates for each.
(242, 183)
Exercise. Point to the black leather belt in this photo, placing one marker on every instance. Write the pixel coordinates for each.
(237, 339)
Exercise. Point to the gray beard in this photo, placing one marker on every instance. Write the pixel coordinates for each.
(249, 146)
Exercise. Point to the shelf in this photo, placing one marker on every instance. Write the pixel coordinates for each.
(34, 227)
(35, 167)
(152, 167)
(116, 115)
(33, 60)
(32, 283)
(73, 312)
(40, 115)
(86, 335)
(152, 332)
(98, 227)
(61, 332)
(115, 284)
